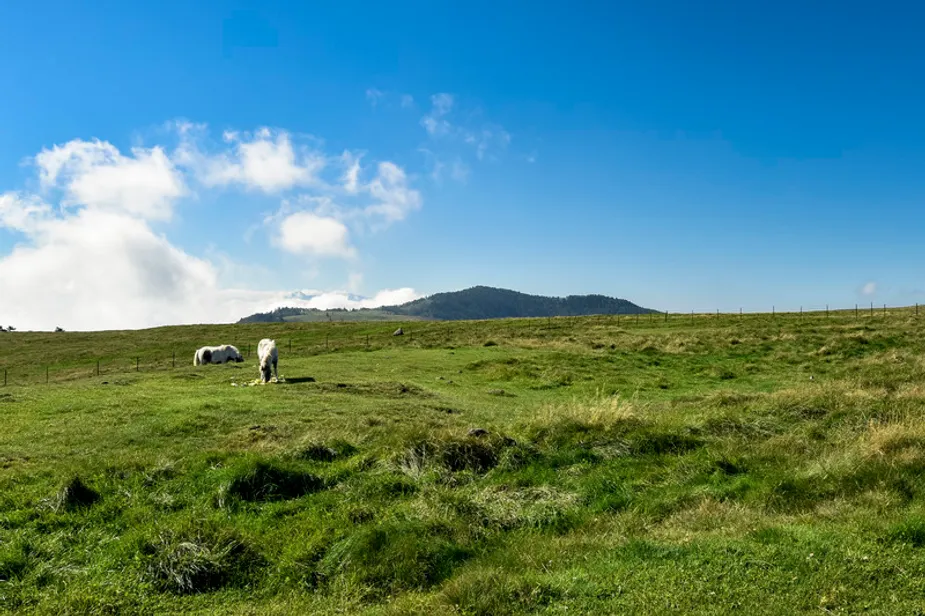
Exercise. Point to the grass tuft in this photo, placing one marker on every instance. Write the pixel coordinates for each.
(197, 558)
(75, 494)
(256, 481)
(911, 531)
(15, 559)
(321, 452)
(478, 454)
(393, 557)
(497, 592)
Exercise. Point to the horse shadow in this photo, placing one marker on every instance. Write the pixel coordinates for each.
(300, 379)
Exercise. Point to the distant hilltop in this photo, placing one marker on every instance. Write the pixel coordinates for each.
(469, 304)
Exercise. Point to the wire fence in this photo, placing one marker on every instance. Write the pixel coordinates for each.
(37, 373)
(427, 334)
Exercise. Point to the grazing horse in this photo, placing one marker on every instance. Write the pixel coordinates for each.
(217, 355)
(268, 355)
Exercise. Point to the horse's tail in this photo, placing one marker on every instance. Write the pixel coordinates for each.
(196, 359)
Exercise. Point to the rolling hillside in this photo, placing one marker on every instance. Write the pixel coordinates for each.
(760, 464)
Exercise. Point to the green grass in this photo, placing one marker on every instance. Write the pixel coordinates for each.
(714, 465)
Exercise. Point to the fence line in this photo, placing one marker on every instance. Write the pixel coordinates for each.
(439, 332)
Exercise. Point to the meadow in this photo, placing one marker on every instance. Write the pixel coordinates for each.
(725, 464)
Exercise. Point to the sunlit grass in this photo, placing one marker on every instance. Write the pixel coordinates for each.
(587, 465)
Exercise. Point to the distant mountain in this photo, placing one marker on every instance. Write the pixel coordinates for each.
(475, 303)
(491, 303)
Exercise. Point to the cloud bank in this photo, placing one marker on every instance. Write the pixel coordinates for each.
(88, 254)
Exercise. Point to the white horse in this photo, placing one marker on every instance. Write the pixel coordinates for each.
(217, 355)
(268, 355)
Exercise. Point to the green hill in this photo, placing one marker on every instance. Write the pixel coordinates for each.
(491, 303)
(475, 303)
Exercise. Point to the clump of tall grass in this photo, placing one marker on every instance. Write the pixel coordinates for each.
(73, 495)
(260, 480)
(451, 453)
(197, 558)
(603, 414)
(326, 452)
(494, 591)
(393, 556)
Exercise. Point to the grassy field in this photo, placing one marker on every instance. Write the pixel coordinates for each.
(705, 465)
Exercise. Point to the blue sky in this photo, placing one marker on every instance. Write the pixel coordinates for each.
(184, 162)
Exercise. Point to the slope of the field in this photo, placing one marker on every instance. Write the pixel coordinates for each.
(711, 465)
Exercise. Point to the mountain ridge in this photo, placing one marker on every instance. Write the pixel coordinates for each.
(474, 303)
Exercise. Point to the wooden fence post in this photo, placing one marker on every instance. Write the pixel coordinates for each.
(97, 367)
(174, 359)
(136, 364)
(4, 377)
(46, 375)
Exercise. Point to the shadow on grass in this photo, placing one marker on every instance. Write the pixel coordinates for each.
(299, 379)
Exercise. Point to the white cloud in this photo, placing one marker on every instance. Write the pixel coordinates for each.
(96, 175)
(390, 189)
(270, 161)
(485, 139)
(489, 139)
(442, 103)
(309, 234)
(90, 259)
(104, 270)
(266, 161)
(100, 269)
(319, 225)
(351, 177)
(23, 212)
(340, 299)
(435, 123)
(440, 168)
(374, 96)
(869, 289)
(407, 101)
